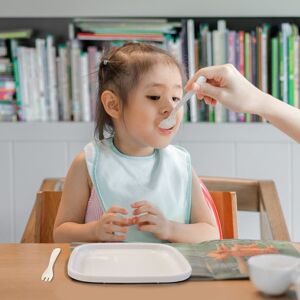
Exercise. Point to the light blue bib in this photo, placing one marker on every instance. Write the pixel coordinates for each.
(162, 178)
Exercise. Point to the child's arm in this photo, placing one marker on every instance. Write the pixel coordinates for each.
(203, 226)
(69, 224)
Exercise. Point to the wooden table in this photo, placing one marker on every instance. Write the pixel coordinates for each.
(21, 266)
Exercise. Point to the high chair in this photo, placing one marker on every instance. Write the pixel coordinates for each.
(39, 228)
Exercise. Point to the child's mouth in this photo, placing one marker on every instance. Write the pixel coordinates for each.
(166, 131)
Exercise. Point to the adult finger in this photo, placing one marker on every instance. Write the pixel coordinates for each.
(208, 72)
(207, 89)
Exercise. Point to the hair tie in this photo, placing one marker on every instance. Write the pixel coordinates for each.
(105, 62)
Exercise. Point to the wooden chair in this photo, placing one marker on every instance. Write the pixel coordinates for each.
(257, 196)
(39, 228)
(252, 196)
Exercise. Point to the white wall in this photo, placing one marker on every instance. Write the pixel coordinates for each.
(191, 8)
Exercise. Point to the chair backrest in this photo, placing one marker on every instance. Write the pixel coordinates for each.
(226, 205)
(255, 195)
(39, 228)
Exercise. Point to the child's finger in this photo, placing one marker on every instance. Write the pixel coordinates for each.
(147, 218)
(147, 228)
(146, 208)
(138, 203)
(117, 210)
(117, 238)
(112, 228)
(110, 218)
(123, 221)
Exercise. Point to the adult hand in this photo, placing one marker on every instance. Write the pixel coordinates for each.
(228, 86)
(149, 219)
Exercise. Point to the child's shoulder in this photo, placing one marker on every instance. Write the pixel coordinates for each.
(79, 167)
(78, 162)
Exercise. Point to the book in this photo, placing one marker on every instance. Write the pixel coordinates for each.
(15, 34)
(286, 32)
(52, 78)
(84, 88)
(191, 66)
(275, 66)
(220, 46)
(42, 82)
(64, 82)
(227, 259)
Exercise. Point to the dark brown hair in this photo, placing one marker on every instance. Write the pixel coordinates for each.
(120, 72)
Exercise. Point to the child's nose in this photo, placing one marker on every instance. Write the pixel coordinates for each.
(168, 106)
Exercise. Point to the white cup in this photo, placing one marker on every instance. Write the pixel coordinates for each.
(272, 273)
(296, 281)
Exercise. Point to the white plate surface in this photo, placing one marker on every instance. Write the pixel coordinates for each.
(128, 263)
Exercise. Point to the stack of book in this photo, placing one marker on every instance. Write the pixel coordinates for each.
(59, 83)
(271, 62)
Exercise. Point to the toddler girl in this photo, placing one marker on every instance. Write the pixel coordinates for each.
(132, 185)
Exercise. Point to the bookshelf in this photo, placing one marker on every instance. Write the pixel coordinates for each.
(30, 152)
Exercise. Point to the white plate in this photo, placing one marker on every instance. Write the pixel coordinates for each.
(128, 263)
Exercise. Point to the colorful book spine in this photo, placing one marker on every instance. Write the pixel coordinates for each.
(248, 65)
(296, 71)
(232, 116)
(64, 82)
(286, 31)
(291, 41)
(75, 79)
(84, 91)
(52, 78)
(42, 81)
(241, 64)
(191, 66)
(275, 66)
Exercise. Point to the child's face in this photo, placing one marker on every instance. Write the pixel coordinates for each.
(152, 101)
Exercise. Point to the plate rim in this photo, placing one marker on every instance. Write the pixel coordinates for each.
(181, 276)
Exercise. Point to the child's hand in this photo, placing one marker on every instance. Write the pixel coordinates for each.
(148, 218)
(112, 227)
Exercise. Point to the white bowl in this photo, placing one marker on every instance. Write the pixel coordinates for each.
(272, 273)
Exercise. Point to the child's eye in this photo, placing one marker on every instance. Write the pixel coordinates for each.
(155, 98)
(176, 99)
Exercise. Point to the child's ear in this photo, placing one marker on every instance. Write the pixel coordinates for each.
(111, 104)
